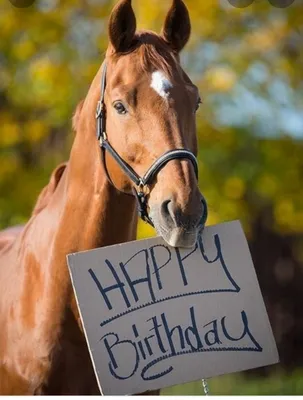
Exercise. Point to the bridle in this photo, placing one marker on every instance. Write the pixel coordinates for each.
(140, 182)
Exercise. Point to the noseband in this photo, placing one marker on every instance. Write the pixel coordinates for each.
(141, 183)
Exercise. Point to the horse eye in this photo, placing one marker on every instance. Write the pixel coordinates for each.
(119, 107)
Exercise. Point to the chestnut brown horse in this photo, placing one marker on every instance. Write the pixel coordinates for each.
(150, 110)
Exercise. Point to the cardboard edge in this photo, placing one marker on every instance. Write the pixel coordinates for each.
(254, 272)
(69, 258)
(146, 239)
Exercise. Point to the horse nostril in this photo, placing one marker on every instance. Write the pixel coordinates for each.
(167, 210)
(172, 216)
(164, 208)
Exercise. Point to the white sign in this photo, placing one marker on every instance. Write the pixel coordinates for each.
(156, 316)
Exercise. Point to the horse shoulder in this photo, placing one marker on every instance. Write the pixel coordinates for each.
(25, 365)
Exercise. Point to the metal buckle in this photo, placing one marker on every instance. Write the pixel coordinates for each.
(99, 109)
(143, 189)
(103, 138)
(141, 197)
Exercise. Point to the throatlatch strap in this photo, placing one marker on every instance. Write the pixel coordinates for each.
(123, 164)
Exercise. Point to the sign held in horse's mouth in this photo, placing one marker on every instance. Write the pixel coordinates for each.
(157, 316)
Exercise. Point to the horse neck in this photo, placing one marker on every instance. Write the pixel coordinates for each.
(99, 214)
(86, 212)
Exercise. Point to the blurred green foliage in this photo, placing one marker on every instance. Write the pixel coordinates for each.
(237, 384)
(242, 59)
(248, 64)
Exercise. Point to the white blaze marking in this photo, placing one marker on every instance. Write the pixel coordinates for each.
(160, 84)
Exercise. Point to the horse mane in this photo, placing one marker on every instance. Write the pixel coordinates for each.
(49, 189)
(152, 52)
(76, 115)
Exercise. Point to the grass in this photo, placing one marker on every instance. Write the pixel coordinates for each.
(241, 384)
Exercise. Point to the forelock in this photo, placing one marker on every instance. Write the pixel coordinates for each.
(153, 53)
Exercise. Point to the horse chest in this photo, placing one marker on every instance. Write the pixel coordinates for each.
(72, 372)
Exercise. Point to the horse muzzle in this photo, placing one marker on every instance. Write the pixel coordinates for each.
(176, 228)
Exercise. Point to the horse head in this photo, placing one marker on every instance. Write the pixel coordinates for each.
(151, 106)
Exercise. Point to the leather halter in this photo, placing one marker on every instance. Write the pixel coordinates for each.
(140, 182)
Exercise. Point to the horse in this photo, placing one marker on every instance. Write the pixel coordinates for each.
(147, 109)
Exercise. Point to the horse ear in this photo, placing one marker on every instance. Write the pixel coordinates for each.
(122, 26)
(176, 30)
